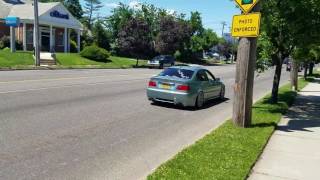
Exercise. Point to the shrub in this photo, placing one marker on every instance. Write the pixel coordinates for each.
(95, 53)
(4, 42)
(178, 55)
(19, 45)
(73, 46)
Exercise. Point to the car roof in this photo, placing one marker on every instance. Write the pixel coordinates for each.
(189, 67)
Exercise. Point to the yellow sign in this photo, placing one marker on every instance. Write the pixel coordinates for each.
(246, 25)
(246, 5)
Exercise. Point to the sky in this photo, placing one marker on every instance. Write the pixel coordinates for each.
(213, 12)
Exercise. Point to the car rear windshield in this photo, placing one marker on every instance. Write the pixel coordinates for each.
(177, 73)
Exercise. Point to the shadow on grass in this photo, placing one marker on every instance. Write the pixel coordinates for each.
(140, 66)
(207, 105)
(264, 125)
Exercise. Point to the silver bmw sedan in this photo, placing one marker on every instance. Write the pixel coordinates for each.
(189, 86)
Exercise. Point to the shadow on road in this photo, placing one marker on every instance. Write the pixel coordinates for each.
(208, 105)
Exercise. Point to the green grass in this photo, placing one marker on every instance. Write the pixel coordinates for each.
(229, 152)
(17, 59)
(22, 60)
(73, 60)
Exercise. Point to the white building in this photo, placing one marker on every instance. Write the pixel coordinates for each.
(55, 21)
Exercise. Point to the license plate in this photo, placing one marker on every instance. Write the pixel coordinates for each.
(165, 86)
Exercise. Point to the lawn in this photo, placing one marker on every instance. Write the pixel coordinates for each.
(22, 60)
(73, 60)
(229, 152)
(18, 59)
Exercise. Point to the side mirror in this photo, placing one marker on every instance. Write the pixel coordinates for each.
(218, 79)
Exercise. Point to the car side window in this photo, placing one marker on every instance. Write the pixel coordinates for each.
(202, 76)
(210, 76)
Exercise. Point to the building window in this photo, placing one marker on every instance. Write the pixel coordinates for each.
(59, 38)
(29, 35)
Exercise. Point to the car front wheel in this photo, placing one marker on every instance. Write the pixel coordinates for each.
(222, 93)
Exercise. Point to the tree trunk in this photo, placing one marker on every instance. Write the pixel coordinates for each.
(276, 79)
(243, 89)
(294, 76)
(137, 64)
(311, 66)
(305, 74)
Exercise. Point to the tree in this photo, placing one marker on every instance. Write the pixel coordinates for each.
(173, 35)
(101, 36)
(119, 18)
(287, 28)
(91, 6)
(196, 23)
(205, 41)
(134, 39)
(74, 7)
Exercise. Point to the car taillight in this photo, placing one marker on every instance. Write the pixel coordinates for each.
(152, 84)
(183, 88)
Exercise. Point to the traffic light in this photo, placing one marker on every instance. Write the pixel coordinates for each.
(244, 2)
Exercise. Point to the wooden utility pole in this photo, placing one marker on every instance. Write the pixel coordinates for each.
(243, 88)
(36, 33)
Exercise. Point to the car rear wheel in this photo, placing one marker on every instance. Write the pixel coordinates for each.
(200, 100)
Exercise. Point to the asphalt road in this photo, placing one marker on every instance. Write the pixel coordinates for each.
(98, 124)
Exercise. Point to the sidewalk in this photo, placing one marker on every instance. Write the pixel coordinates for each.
(293, 152)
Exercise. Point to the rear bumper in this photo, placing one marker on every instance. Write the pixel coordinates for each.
(153, 64)
(173, 97)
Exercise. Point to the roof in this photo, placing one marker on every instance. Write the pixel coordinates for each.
(189, 67)
(26, 10)
(4, 9)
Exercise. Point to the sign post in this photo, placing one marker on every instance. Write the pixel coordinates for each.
(12, 22)
(36, 29)
(247, 28)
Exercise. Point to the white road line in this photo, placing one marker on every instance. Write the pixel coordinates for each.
(70, 78)
(70, 86)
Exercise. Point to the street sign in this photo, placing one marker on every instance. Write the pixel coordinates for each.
(246, 25)
(246, 5)
(12, 21)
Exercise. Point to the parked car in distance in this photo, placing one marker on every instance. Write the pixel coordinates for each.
(189, 86)
(289, 66)
(162, 61)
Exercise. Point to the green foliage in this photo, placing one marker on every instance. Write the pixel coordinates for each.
(74, 7)
(90, 7)
(134, 38)
(177, 55)
(86, 39)
(196, 23)
(95, 53)
(228, 152)
(119, 18)
(73, 46)
(4, 42)
(101, 36)
(173, 35)
(264, 52)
